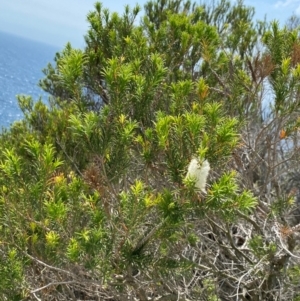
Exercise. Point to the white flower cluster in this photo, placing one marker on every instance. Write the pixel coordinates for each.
(199, 172)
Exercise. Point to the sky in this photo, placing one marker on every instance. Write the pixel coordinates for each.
(57, 22)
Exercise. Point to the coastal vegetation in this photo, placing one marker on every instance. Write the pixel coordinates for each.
(165, 165)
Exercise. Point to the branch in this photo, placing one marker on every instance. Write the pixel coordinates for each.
(50, 284)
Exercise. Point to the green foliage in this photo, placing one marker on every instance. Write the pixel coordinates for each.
(284, 76)
(94, 197)
(225, 198)
(12, 283)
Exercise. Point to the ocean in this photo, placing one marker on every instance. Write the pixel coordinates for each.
(21, 64)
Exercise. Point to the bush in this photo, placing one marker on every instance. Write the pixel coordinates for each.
(97, 198)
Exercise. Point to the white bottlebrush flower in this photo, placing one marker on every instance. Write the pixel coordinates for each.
(199, 172)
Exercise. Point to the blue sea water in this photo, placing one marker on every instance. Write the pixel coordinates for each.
(21, 64)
